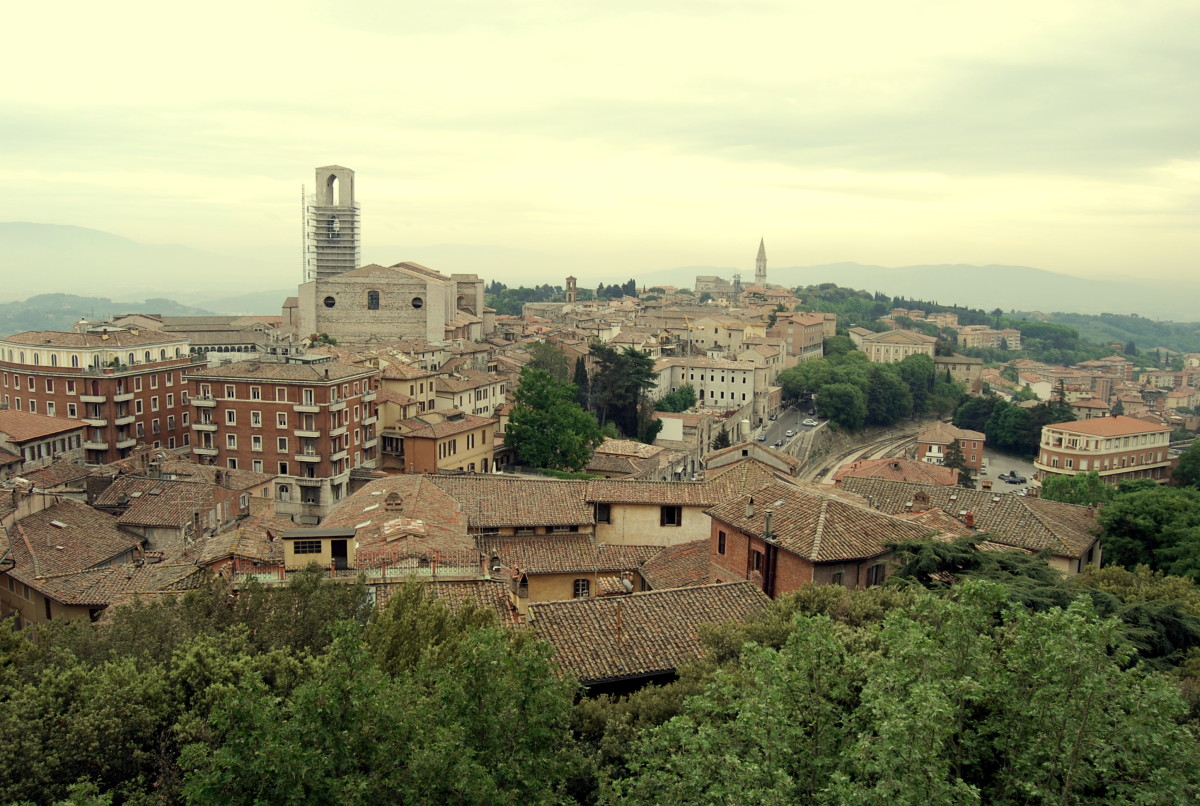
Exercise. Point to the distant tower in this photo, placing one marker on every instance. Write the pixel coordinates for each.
(571, 293)
(760, 264)
(331, 228)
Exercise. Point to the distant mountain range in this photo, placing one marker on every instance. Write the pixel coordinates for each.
(42, 258)
(1019, 288)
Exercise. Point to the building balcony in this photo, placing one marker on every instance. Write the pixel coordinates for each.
(309, 482)
(126, 443)
(338, 456)
(95, 446)
(370, 420)
(370, 443)
(306, 408)
(93, 398)
(308, 457)
(337, 432)
(126, 420)
(339, 406)
(200, 450)
(368, 396)
(95, 422)
(204, 402)
(198, 426)
(123, 398)
(307, 434)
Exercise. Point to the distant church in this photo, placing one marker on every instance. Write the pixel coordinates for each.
(360, 305)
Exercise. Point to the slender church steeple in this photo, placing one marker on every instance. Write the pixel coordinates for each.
(760, 264)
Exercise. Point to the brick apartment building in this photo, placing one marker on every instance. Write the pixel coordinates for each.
(803, 334)
(1118, 448)
(126, 385)
(308, 423)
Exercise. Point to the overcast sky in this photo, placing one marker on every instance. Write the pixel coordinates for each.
(622, 136)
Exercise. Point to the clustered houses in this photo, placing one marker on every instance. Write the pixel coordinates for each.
(125, 386)
(308, 424)
(1118, 448)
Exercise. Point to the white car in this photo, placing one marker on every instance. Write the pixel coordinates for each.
(811, 423)
(789, 433)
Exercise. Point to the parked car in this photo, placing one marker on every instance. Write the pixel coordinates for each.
(1003, 477)
(811, 422)
(762, 437)
(778, 443)
(774, 416)
(1015, 479)
(789, 433)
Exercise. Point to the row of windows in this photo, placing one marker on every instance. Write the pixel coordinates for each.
(308, 396)
(74, 359)
(70, 384)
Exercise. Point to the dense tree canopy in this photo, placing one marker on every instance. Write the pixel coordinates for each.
(546, 427)
(619, 386)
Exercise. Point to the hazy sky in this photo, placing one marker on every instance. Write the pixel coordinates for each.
(622, 136)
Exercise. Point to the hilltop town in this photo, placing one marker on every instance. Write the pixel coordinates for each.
(608, 469)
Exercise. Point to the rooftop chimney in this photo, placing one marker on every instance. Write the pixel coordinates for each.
(750, 507)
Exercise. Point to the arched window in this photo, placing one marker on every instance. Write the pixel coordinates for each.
(285, 492)
(177, 352)
(37, 359)
(130, 361)
(147, 357)
(75, 360)
(53, 359)
(372, 300)
(162, 355)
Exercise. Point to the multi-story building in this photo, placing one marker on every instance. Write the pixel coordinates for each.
(471, 391)
(438, 441)
(804, 335)
(933, 443)
(1118, 448)
(963, 368)
(891, 346)
(724, 385)
(126, 385)
(30, 441)
(309, 424)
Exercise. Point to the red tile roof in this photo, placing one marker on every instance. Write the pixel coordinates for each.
(611, 638)
(22, 426)
(683, 565)
(816, 525)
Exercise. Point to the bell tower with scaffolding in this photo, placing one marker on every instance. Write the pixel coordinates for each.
(331, 225)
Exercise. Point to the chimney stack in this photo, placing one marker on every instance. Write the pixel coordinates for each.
(749, 507)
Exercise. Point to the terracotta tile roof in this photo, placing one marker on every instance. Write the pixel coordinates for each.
(105, 586)
(187, 470)
(424, 428)
(627, 447)
(683, 565)
(612, 465)
(659, 630)
(156, 502)
(485, 594)
(86, 538)
(58, 474)
(114, 338)
(898, 469)
(817, 525)
(1013, 520)
(496, 501)
(944, 433)
(325, 373)
(21, 426)
(560, 554)
(7, 458)
(251, 540)
(405, 516)
(1111, 426)
(665, 493)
